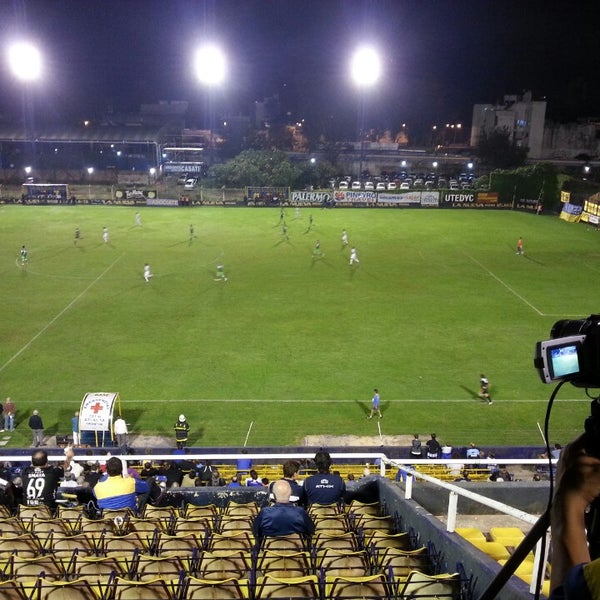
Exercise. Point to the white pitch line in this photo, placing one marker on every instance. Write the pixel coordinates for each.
(400, 402)
(507, 287)
(60, 314)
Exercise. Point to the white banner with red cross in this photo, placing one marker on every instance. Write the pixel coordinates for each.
(96, 412)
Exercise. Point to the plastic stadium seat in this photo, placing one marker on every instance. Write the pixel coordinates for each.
(404, 561)
(419, 585)
(12, 527)
(287, 587)
(382, 539)
(231, 541)
(23, 545)
(208, 511)
(159, 567)
(336, 563)
(369, 587)
(509, 536)
(156, 589)
(332, 524)
(324, 510)
(178, 545)
(471, 533)
(370, 523)
(494, 550)
(293, 542)
(200, 526)
(94, 568)
(20, 568)
(79, 589)
(12, 590)
(241, 509)
(363, 508)
(31, 512)
(63, 546)
(220, 565)
(235, 523)
(227, 589)
(345, 541)
(283, 564)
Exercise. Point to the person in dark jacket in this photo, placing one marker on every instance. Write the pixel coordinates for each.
(37, 427)
(283, 517)
(182, 428)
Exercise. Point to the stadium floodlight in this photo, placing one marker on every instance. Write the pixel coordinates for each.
(25, 61)
(210, 65)
(365, 66)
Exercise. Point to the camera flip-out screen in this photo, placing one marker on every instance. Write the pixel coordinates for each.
(559, 358)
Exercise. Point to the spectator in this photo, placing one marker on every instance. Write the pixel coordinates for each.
(69, 481)
(253, 480)
(554, 453)
(172, 473)
(92, 476)
(416, 451)
(323, 488)
(9, 415)
(351, 477)
(148, 470)
(290, 474)
(75, 428)
(116, 491)
(433, 447)
(574, 573)
(283, 517)
(41, 480)
(121, 433)
(234, 482)
(446, 451)
(244, 464)
(182, 428)
(37, 427)
(205, 474)
(473, 451)
(74, 467)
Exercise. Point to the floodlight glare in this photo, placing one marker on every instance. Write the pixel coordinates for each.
(365, 67)
(209, 65)
(25, 61)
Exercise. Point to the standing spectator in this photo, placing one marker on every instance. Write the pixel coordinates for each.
(283, 518)
(121, 433)
(324, 487)
(243, 464)
(182, 428)
(75, 428)
(446, 451)
(37, 427)
(375, 404)
(9, 415)
(41, 480)
(416, 451)
(117, 491)
(433, 447)
(473, 451)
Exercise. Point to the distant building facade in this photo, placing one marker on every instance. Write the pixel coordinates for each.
(569, 141)
(520, 116)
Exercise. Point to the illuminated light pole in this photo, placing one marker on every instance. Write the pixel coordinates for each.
(90, 172)
(210, 67)
(25, 63)
(365, 69)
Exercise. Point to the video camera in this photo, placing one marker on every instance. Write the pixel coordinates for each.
(573, 353)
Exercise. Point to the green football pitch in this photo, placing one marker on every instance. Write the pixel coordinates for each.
(294, 341)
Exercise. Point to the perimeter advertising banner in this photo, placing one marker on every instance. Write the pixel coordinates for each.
(405, 199)
(472, 199)
(311, 198)
(355, 198)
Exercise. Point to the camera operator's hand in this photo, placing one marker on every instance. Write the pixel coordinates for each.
(578, 484)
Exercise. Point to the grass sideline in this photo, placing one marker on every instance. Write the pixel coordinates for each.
(291, 342)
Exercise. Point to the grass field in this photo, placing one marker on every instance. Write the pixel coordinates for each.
(293, 343)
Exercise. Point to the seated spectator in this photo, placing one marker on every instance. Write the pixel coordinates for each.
(41, 480)
(172, 473)
(290, 474)
(464, 476)
(253, 480)
(234, 482)
(117, 491)
(204, 475)
(556, 452)
(148, 470)
(92, 476)
(351, 477)
(69, 481)
(473, 451)
(283, 517)
(324, 487)
(217, 480)
(433, 447)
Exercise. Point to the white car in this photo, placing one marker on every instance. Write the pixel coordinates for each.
(369, 185)
(356, 185)
(190, 183)
(343, 185)
(391, 185)
(405, 185)
(380, 186)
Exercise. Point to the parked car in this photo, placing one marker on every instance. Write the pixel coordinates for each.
(391, 185)
(380, 186)
(369, 185)
(356, 185)
(405, 185)
(182, 179)
(190, 183)
(343, 185)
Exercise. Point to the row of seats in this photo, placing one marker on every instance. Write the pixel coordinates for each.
(355, 550)
(499, 545)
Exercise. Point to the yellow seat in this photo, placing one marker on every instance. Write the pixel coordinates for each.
(286, 587)
(226, 589)
(368, 586)
(283, 564)
(419, 585)
(155, 589)
(403, 562)
(494, 550)
(471, 533)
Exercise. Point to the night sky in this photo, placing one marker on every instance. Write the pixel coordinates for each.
(439, 56)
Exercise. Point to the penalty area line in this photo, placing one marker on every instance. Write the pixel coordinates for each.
(60, 314)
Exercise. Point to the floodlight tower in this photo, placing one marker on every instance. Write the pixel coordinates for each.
(25, 63)
(210, 67)
(365, 68)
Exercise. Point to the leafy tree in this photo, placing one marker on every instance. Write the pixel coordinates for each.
(496, 150)
(255, 167)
